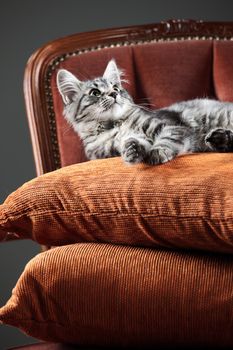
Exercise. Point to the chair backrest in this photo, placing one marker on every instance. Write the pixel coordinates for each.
(166, 62)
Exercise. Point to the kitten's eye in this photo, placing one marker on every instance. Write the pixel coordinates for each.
(95, 92)
(116, 88)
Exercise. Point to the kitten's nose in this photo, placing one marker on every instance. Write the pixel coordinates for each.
(113, 94)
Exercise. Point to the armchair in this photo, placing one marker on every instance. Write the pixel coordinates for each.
(166, 62)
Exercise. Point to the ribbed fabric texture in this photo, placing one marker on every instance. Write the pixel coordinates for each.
(186, 203)
(98, 294)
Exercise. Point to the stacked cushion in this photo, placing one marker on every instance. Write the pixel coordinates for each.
(106, 295)
(109, 287)
(186, 203)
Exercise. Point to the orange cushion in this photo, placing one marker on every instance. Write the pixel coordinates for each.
(99, 294)
(186, 203)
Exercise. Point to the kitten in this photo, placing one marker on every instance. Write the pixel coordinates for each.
(110, 124)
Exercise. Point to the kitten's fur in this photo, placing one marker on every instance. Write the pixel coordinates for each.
(111, 124)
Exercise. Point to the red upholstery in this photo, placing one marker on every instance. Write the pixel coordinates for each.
(155, 77)
(223, 70)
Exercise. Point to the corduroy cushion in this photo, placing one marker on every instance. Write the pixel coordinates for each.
(186, 203)
(99, 294)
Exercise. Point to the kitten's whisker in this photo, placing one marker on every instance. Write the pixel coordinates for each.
(138, 105)
(67, 128)
(105, 104)
(147, 105)
(85, 76)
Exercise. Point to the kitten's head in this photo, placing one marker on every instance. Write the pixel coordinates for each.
(99, 99)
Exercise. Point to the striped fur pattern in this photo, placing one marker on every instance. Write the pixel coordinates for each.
(110, 124)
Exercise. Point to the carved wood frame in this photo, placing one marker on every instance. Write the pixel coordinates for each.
(37, 89)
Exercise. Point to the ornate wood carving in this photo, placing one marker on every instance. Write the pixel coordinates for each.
(183, 29)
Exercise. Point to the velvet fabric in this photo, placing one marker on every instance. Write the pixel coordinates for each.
(159, 74)
(105, 295)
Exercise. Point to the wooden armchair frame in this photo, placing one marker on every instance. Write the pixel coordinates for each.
(37, 81)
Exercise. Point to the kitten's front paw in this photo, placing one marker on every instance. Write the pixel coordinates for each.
(220, 140)
(133, 151)
(160, 155)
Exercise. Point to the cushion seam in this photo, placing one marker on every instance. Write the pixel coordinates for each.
(149, 214)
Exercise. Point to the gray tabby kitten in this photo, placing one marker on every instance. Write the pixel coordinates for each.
(111, 124)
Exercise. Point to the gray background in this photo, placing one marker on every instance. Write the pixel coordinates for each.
(25, 26)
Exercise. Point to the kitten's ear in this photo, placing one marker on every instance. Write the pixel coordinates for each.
(68, 85)
(112, 73)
